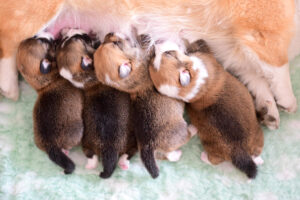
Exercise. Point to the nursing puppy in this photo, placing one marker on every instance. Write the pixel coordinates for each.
(240, 33)
(57, 119)
(157, 120)
(107, 132)
(220, 107)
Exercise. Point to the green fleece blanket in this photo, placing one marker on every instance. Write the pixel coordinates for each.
(27, 173)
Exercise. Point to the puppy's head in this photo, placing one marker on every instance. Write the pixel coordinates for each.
(121, 63)
(179, 75)
(74, 57)
(36, 61)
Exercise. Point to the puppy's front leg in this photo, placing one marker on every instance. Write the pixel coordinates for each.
(9, 77)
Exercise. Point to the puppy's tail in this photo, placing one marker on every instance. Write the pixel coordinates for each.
(147, 156)
(243, 161)
(57, 156)
(109, 161)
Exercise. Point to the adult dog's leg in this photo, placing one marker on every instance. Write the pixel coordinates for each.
(263, 98)
(281, 87)
(9, 77)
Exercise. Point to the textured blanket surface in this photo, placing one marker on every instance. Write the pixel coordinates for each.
(27, 173)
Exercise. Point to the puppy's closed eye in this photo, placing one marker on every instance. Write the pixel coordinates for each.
(45, 66)
(184, 77)
(86, 63)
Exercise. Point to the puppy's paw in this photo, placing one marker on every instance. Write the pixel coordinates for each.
(65, 151)
(258, 160)
(204, 158)
(192, 130)
(124, 163)
(174, 156)
(269, 115)
(288, 104)
(92, 163)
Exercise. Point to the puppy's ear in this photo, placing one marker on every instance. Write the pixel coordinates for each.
(198, 46)
(96, 44)
(108, 36)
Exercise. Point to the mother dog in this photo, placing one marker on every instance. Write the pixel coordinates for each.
(250, 38)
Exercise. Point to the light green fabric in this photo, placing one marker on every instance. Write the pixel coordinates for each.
(27, 173)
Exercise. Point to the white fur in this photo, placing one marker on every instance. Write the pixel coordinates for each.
(198, 66)
(67, 75)
(169, 90)
(174, 156)
(9, 78)
(108, 81)
(258, 160)
(204, 158)
(92, 163)
(281, 87)
(45, 35)
(192, 129)
(160, 49)
(124, 163)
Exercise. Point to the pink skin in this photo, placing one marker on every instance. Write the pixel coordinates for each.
(69, 20)
(65, 151)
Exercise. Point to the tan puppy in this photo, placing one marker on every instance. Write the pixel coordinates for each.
(58, 124)
(158, 120)
(107, 132)
(241, 34)
(220, 106)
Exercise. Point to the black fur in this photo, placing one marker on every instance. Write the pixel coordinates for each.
(233, 133)
(49, 130)
(145, 130)
(57, 156)
(243, 161)
(147, 156)
(104, 124)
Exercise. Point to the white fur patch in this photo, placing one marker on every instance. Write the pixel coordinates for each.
(199, 66)
(45, 35)
(174, 156)
(204, 158)
(258, 160)
(67, 75)
(92, 163)
(9, 77)
(160, 49)
(69, 33)
(192, 129)
(108, 81)
(169, 90)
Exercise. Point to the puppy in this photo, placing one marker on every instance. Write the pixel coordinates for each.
(220, 107)
(158, 120)
(107, 131)
(58, 124)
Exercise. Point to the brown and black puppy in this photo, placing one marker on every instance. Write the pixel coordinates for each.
(57, 113)
(107, 131)
(220, 107)
(157, 120)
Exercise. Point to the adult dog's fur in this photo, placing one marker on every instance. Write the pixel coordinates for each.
(250, 38)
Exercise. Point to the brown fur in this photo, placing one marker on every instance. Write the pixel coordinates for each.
(57, 112)
(107, 132)
(158, 120)
(222, 110)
